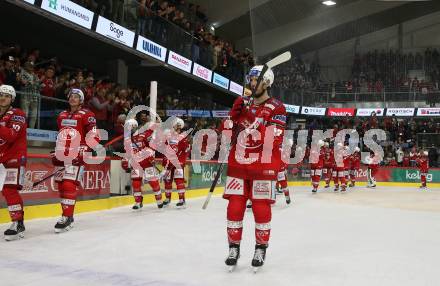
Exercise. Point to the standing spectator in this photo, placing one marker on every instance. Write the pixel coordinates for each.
(100, 106)
(117, 11)
(30, 88)
(104, 8)
(406, 160)
(89, 91)
(11, 73)
(48, 83)
(433, 156)
(142, 12)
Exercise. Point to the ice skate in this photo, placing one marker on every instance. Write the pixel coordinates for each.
(166, 202)
(15, 231)
(138, 206)
(181, 204)
(259, 257)
(234, 255)
(65, 223)
(288, 201)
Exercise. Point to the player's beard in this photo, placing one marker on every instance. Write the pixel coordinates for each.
(258, 95)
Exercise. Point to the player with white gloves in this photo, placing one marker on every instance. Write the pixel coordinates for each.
(141, 164)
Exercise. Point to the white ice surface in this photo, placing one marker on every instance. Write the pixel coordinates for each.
(315, 241)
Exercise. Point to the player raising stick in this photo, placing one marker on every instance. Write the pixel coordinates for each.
(248, 177)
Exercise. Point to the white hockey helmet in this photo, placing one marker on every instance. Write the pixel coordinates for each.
(77, 91)
(425, 153)
(321, 143)
(268, 77)
(8, 90)
(340, 145)
(326, 144)
(131, 123)
(178, 122)
(357, 149)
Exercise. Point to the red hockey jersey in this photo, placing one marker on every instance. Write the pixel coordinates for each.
(13, 136)
(180, 145)
(423, 164)
(269, 119)
(73, 124)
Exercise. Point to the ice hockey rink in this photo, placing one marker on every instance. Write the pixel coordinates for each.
(388, 236)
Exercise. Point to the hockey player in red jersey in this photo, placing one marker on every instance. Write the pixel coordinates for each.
(316, 168)
(13, 155)
(74, 125)
(328, 164)
(347, 167)
(339, 170)
(180, 146)
(355, 166)
(282, 174)
(252, 165)
(423, 164)
(373, 167)
(145, 169)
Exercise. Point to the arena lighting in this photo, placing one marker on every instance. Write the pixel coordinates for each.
(329, 3)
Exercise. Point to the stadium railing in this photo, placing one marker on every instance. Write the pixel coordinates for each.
(308, 97)
(41, 111)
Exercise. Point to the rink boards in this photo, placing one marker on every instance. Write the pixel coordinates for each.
(94, 194)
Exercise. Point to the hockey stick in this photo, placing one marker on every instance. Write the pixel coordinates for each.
(284, 57)
(63, 168)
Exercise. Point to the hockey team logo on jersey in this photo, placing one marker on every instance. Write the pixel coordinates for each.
(69, 122)
(67, 134)
(18, 118)
(234, 186)
(262, 189)
(92, 120)
(11, 176)
(279, 117)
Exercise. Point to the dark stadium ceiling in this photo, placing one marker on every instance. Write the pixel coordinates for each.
(233, 19)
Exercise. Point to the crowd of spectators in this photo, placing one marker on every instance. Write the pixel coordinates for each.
(42, 86)
(180, 26)
(405, 137)
(297, 74)
(373, 73)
